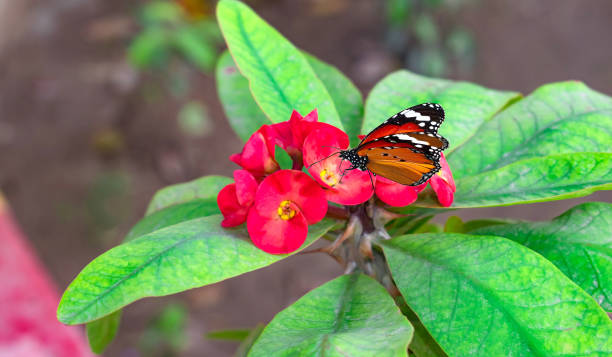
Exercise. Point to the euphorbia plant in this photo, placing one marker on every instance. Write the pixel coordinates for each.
(486, 287)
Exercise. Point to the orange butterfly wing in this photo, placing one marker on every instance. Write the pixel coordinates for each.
(402, 165)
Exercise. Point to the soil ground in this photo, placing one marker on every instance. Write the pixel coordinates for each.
(66, 91)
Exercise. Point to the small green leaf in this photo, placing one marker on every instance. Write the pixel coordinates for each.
(206, 187)
(245, 347)
(167, 261)
(101, 332)
(229, 335)
(453, 224)
(579, 243)
(149, 49)
(466, 105)
(489, 296)
(282, 158)
(280, 78)
(475, 224)
(349, 316)
(347, 98)
(198, 50)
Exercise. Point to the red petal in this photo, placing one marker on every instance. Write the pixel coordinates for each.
(354, 187)
(443, 190)
(294, 186)
(257, 156)
(445, 172)
(246, 186)
(234, 213)
(396, 194)
(275, 235)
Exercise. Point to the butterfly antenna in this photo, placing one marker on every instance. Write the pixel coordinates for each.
(333, 147)
(323, 159)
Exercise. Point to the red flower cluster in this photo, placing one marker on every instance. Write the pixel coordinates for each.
(278, 205)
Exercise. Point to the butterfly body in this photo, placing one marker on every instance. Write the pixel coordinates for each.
(405, 148)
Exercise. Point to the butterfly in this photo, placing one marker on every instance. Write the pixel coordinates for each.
(405, 148)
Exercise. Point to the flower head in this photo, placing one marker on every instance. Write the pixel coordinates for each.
(443, 183)
(286, 202)
(257, 156)
(343, 186)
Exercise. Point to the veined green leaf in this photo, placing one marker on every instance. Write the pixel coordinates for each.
(177, 258)
(547, 178)
(347, 98)
(489, 296)
(351, 315)
(466, 105)
(206, 187)
(558, 118)
(280, 78)
(243, 113)
(579, 243)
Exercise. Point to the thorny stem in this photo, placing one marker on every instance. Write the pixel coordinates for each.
(355, 248)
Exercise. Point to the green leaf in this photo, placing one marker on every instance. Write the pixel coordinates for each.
(558, 118)
(201, 52)
(242, 111)
(548, 178)
(245, 346)
(149, 48)
(489, 296)
(466, 105)
(475, 224)
(229, 335)
(554, 144)
(422, 344)
(206, 187)
(453, 224)
(347, 98)
(579, 243)
(280, 78)
(173, 215)
(245, 115)
(282, 158)
(177, 258)
(101, 332)
(349, 316)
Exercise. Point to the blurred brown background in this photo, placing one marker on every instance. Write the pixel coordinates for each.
(86, 139)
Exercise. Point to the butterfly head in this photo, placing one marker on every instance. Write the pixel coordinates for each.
(358, 161)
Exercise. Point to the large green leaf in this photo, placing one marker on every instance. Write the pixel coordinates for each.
(466, 105)
(579, 242)
(172, 215)
(489, 296)
(206, 187)
(347, 98)
(547, 178)
(558, 118)
(243, 113)
(180, 257)
(554, 144)
(351, 315)
(101, 332)
(245, 116)
(280, 78)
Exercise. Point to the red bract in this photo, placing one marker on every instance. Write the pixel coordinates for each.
(355, 186)
(286, 202)
(443, 184)
(290, 135)
(395, 194)
(257, 156)
(236, 199)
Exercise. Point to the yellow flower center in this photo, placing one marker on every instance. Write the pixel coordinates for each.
(285, 211)
(329, 177)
